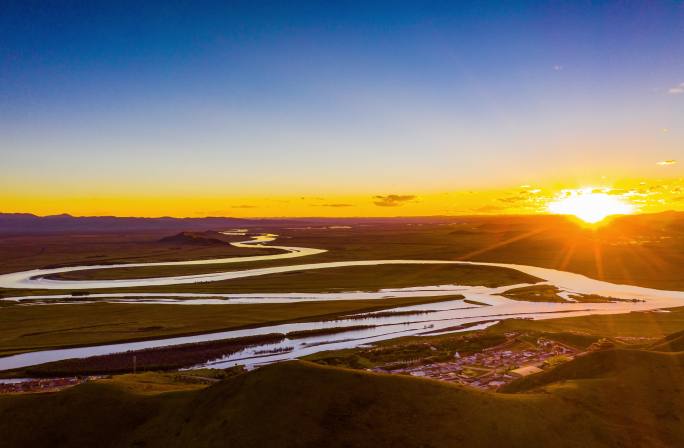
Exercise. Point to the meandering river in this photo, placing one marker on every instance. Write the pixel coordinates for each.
(486, 305)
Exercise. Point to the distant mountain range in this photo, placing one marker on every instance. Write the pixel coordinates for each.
(13, 223)
(29, 223)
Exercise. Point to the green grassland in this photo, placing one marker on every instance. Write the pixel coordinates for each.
(170, 271)
(350, 278)
(535, 293)
(550, 293)
(298, 404)
(30, 328)
(635, 324)
(24, 252)
(646, 250)
(151, 383)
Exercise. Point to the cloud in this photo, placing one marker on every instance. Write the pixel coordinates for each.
(243, 206)
(392, 200)
(532, 199)
(677, 90)
(666, 162)
(334, 205)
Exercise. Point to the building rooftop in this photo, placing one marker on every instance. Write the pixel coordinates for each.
(526, 370)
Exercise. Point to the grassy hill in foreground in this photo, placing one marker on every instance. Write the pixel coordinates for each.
(671, 343)
(637, 402)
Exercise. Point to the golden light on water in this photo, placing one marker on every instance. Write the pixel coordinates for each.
(590, 206)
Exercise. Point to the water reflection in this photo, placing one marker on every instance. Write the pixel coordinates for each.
(485, 308)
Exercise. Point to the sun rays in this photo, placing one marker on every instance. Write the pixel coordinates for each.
(589, 205)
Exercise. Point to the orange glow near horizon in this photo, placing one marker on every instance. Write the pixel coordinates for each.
(589, 205)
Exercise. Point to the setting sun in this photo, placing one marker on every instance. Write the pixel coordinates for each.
(590, 206)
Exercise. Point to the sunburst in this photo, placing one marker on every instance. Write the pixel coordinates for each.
(589, 205)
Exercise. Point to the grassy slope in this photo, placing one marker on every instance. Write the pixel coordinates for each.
(629, 324)
(31, 328)
(615, 364)
(671, 343)
(303, 405)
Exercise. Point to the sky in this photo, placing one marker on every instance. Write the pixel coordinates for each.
(198, 108)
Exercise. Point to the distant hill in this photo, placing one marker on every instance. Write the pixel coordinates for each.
(207, 238)
(13, 223)
(28, 223)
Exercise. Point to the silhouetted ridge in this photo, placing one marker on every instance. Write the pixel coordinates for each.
(196, 238)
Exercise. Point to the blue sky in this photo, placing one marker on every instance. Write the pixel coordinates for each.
(263, 98)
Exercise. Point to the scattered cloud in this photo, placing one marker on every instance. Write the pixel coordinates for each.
(529, 199)
(392, 200)
(666, 162)
(677, 90)
(335, 205)
(558, 67)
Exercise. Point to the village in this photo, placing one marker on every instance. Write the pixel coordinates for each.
(42, 384)
(519, 355)
(494, 367)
